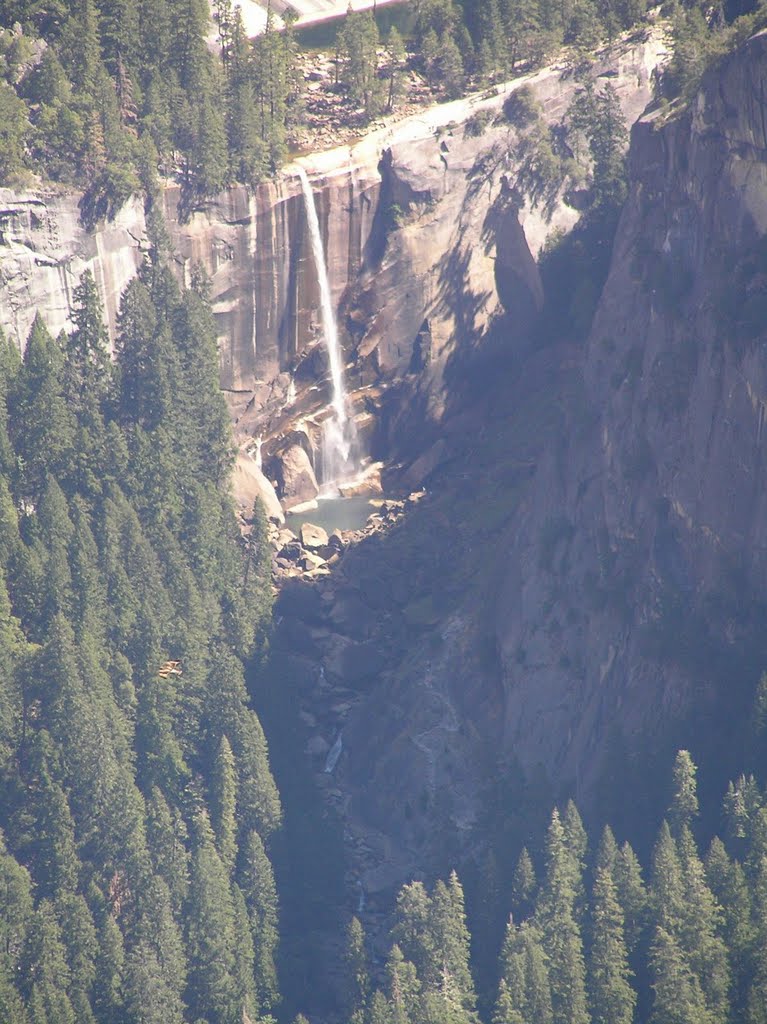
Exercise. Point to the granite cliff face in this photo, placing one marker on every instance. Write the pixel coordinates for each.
(656, 524)
(595, 521)
(410, 216)
(594, 517)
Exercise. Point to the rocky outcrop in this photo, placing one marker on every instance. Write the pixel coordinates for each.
(595, 523)
(654, 534)
(249, 483)
(294, 477)
(44, 250)
(410, 218)
(517, 279)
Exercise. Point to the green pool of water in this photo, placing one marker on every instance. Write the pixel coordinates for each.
(334, 514)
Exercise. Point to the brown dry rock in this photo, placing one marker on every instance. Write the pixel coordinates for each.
(296, 482)
(304, 506)
(310, 561)
(249, 483)
(313, 537)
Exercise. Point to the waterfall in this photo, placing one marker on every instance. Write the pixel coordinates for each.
(333, 755)
(337, 430)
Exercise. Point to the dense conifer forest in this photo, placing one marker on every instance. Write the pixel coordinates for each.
(114, 97)
(139, 817)
(592, 936)
(137, 793)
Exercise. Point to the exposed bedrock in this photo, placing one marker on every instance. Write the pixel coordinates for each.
(597, 525)
(411, 217)
(637, 566)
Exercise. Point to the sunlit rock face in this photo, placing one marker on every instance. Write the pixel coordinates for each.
(44, 250)
(410, 217)
(256, 249)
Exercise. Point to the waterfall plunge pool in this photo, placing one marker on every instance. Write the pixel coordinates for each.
(336, 513)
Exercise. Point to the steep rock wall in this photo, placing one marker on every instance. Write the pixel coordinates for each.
(44, 250)
(409, 215)
(647, 607)
(585, 581)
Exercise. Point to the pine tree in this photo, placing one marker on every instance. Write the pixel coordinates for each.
(449, 65)
(12, 1009)
(43, 427)
(14, 653)
(684, 799)
(612, 997)
(260, 892)
(109, 987)
(667, 884)
(149, 998)
(397, 60)
(247, 148)
(524, 884)
(608, 144)
(211, 941)
(493, 46)
(607, 853)
(79, 935)
(226, 713)
(632, 894)
(380, 1011)
(412, 932)
(678, 995)
(456, 941)
(15, 910)
(223, 804)
(727, 881)
(577, 843)
(245, 957)
(359, 43)
(87, 370)
(52, 847)
(156, 969)
(525, 991)
(561, 936)
(755, 980)
(357, 980)
(700, 931)
(404, 988)
(44, 967)
(167, 837)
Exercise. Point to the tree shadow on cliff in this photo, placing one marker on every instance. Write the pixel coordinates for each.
(454, 297)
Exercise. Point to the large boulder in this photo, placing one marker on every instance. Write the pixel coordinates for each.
(293, 473)
(313, 537)
(249, 483)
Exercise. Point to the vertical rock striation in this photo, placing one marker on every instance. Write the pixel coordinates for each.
(409, 217)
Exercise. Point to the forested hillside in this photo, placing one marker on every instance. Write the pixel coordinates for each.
(139, 817)
(591, 936)
(112, 97)
(136, 791)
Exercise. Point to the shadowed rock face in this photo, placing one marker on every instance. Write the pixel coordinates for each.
(654, 525)
(598, 530)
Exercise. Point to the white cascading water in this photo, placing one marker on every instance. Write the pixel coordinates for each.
(337, 430)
